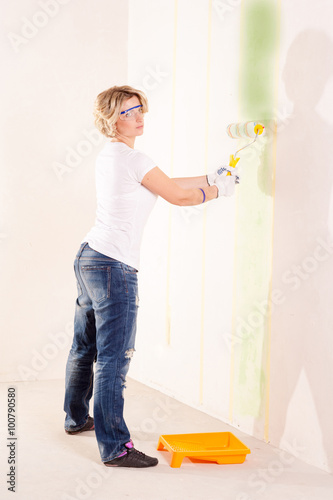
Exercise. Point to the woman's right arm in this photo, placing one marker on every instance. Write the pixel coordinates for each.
(192, 182)
(173, 192)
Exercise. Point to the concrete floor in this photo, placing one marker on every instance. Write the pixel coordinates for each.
(52, 465)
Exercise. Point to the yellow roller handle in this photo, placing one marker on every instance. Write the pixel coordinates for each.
(233, 162)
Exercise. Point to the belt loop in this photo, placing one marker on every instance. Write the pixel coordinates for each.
(82, 247)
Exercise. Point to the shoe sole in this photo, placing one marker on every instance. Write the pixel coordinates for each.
(131, 466)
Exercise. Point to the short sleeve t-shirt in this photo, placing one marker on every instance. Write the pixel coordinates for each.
(123, 203)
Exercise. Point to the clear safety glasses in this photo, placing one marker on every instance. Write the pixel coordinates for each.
(131, 113)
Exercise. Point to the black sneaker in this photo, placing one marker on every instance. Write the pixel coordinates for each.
(132, 458)
(89, 426)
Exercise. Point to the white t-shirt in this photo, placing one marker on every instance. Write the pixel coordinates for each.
(123, 203)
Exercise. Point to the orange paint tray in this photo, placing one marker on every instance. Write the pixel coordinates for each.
(220, 447)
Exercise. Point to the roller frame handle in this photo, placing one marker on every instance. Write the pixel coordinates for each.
(233, 162)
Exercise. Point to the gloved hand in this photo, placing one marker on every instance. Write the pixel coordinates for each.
(226, 183)
(211, 178)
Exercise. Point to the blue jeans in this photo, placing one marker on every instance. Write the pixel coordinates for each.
(104, 326)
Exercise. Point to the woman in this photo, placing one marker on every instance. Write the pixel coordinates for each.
(106, 265)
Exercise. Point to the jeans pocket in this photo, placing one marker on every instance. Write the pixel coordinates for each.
(131, 280)
(97, 280)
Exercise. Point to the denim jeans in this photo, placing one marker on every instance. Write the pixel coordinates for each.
(104, 326)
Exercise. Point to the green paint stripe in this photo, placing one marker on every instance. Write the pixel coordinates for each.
(259, 41)
(257, 75)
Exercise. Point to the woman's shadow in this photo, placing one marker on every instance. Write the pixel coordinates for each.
(302, 327)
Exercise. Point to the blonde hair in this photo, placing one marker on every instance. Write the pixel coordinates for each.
(108, 107)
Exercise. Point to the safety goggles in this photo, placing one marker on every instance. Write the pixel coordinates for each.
(131, 113)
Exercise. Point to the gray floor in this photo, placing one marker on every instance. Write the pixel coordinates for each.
(54, 465)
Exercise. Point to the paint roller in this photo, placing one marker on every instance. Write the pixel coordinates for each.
(247, 130)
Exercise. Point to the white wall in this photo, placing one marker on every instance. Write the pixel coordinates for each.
(53, 73)
(187, 255)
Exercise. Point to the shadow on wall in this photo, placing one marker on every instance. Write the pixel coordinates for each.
(303, 260)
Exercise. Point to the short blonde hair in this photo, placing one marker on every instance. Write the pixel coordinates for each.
(108, 107)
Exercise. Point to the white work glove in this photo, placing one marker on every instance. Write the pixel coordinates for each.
(226, 183)
(211, 178)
